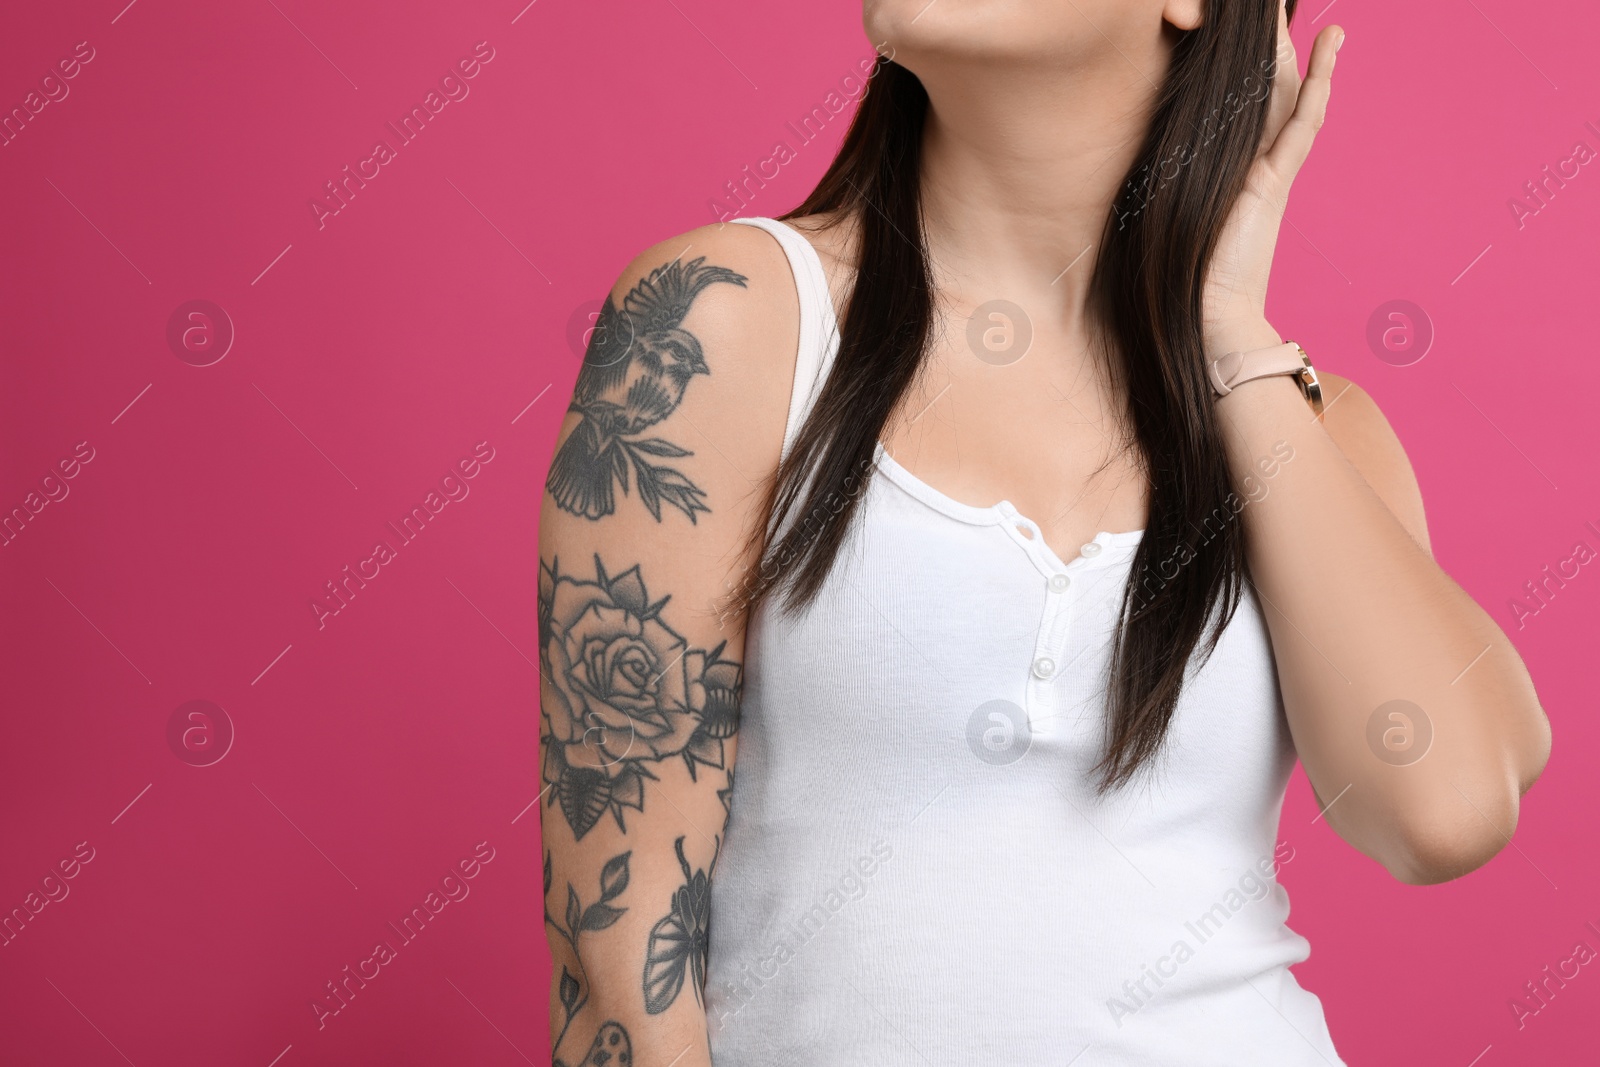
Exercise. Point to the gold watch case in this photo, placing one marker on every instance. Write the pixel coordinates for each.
(1309, 385)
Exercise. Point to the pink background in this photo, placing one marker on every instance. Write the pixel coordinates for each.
(373, 754)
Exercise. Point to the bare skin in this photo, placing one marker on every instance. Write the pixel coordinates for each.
(1036, 110)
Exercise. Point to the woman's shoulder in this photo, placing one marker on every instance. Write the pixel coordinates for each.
(699, 332)
(723, 280)
(752, 250)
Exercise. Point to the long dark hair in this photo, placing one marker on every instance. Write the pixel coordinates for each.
(1146, 292)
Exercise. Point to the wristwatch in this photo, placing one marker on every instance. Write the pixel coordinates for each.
(1229, 372)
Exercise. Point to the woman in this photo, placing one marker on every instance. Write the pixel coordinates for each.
(1029, 556)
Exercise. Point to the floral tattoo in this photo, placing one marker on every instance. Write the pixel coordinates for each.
(579, 919)
(621, 691)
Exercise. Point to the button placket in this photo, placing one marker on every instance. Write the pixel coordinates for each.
(1048, 655)
(1062, 591)
(1047, 664)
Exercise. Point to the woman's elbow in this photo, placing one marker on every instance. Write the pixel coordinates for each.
(1455, 836)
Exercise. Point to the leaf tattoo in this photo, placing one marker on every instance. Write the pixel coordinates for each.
(621, 692)
(679, 942)
(569, 992)
(579, 920)
(635, 370)
(613, 880)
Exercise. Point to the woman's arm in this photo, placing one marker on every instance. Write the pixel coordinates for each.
(676, 415)
(1415, 719)
(1360, 617)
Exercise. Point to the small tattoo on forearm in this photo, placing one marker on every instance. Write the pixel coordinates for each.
(679, 942)
(597, 916)
(611, 1047)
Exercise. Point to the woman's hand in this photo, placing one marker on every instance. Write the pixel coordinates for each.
(1236, 286)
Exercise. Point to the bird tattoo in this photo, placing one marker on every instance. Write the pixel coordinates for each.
(638, 363)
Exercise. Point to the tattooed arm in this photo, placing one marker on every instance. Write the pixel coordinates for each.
(677, 416)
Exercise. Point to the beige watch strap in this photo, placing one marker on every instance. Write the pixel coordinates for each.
(1229, 372)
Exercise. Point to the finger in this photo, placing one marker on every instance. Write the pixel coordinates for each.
(1285, 83)
(1293, 143)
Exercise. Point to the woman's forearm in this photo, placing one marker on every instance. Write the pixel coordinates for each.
(1414, 716)
(612, 1026)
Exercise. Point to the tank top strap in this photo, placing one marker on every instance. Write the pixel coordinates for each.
(819, 327)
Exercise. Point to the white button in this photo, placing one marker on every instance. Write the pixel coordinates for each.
(1059, 583)
(1091, 549)
(1044, 667)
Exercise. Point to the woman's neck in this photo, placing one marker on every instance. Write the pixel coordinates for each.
(1020, 167)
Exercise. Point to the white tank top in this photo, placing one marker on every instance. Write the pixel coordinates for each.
(916, 869)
